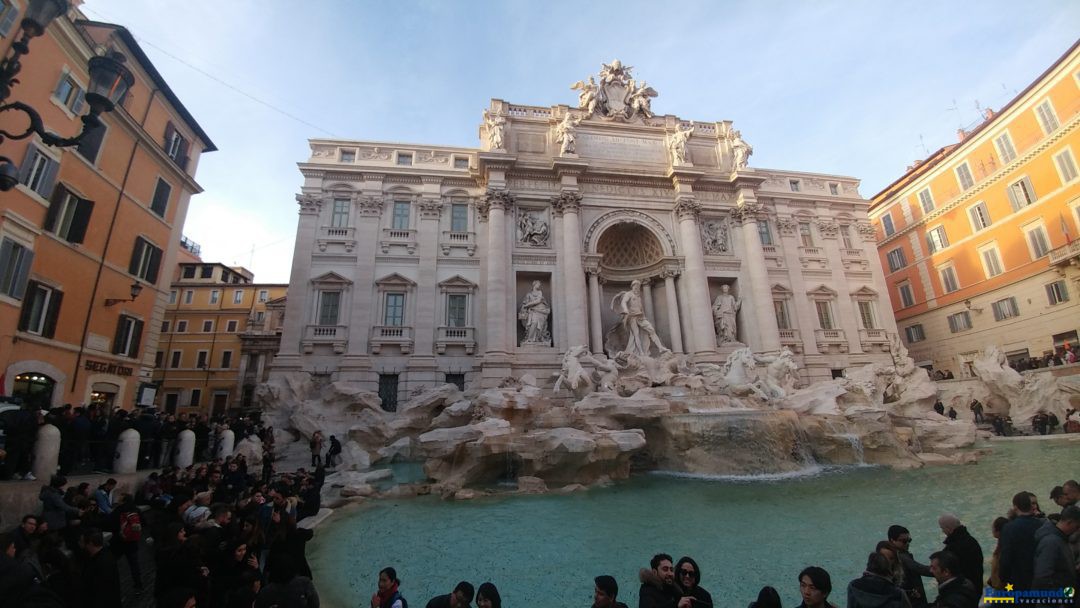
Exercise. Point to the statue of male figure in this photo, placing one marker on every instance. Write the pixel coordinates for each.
(724, 309)
(628, 305)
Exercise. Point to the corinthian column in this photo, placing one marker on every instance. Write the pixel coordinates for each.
(296, 302)
(595, 330)
(568, 205)
(674, 328)
(761, 295)
(494, 206)
(703, 338)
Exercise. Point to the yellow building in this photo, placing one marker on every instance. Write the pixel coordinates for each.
(218, 338)
(979, 241)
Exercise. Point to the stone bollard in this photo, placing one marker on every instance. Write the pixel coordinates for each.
(225, 443)
(127, 452)
(185, 449)
(46, 452)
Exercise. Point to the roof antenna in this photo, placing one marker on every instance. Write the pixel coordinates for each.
(955, 108)
(922, 144)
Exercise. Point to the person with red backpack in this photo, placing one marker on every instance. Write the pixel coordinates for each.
(128, 534)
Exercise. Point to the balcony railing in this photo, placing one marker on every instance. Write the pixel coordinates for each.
(329, 235)
(830, 336)
(334, 335)
(398, 335)
(811, 251)
(456, 336)
(394, 236)
(852, 253)
(790, 336)
(873, 336)
(1066, 254)
(451, 239)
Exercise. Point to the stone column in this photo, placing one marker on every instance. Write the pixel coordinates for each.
(846, 310)
(363, 307)
(242, 371)
(296, 307)
(646, 295)
(494, 206)
(569, 204)
(760, 296)
(185, 449)
(674, 327)
(127, 452)
(422, 364)
(46, 452)
(260, 366)
(596, 330)
(703, 338)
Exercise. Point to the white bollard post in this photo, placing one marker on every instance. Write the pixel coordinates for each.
(46, 452)
(127, 452)
(226, 440)
(185, 449)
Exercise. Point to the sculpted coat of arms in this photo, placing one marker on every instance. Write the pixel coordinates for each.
(617, 97)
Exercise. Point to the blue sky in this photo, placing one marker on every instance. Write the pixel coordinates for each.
(831, 87)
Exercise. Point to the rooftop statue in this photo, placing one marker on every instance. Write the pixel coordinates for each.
(617, 97)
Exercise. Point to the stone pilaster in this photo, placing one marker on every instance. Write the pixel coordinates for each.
(424, 323)
(299, 293)
(646, 296)
(847, 313)
(369, 211)
(674, 327)
(596, 330)
(568, 204)
(494, 206)
(760, 297)
(703, 341)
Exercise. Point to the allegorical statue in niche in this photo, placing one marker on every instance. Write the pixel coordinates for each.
(566, 133)
(533, 314)
(633, 323)
(724, 309)
(740, 150)
(678, 144)
(496, 127)
(532, 229)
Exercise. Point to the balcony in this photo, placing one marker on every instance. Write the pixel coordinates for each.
(456, 336)
(831, 339)
(393, 236)
(330, 235)
(464, 240)
(791, 339)
(1067, 254)
(394, 335)
(873, 337)
(813, 257)
(852, 253)
(336, 336)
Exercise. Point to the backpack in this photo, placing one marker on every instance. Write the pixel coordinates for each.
(131, 527)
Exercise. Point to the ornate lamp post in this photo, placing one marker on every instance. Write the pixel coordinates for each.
(109, 82)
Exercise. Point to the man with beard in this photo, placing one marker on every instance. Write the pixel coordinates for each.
(658, 584)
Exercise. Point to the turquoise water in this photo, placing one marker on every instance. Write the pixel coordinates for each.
(545, 550)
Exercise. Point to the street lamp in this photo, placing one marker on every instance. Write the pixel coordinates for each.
(109, 82)
(136, 289)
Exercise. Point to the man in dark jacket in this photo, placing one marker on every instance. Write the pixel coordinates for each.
(606, 592)
(100, 577)
(954, 591)
(460, 598)
(912, 584)
(1017, 544)
(963, 545)
(876, 589)
(1055, 565)
(658, 584)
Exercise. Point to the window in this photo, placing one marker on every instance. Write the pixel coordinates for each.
(230, 326)
(128, 335)
(200, 359)
(907, 298)
(1057, 292)
(459, 217)
(948, 279)
(783, 320)
(980, 217)
(936, 239)
(404, 159)
(866, 314)
(207, 326)
(1047, 117)
(181, 326)
(176, 147)
(1037, 242)
(189, 271)
(196, 397)
(38, 171)
(159, 357)
(347, 156)
(40, 309)
(887, 225)
(8, 14)
(1005, 309)
(226, 359)
(215, 295)
(896, 259)
(69, 93)
(457, 380)
(960, 321)
(206, 271)
(188, 295)
(68, 216)
(926, 200)
(991, 261)
(400, 220)
(794, 185)
(264, 295)
(260, 315)
(824, 314)
(455, 310)
(15, 263)
(1066, 166)
(172, 296)
(764, 233)
(1005, 148)
(91, 142)
(340, 216)
(145, 260)
(164, 327)
(329, 302)
(805, 236)
(161, 197)
(394, 316)
(845, 236)
(1021, 194)
(834, 188)
(963, 176)
(238, 296)
(461, 162)
(388, 391)
(914, 333)
(174, 359)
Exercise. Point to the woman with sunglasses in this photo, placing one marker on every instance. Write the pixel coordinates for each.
(688, 578)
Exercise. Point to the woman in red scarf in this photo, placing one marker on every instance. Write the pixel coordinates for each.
(388, 596)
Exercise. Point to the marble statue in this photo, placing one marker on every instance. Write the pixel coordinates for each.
(496, 130)
(572, 374)
(780, 371)
(678, 144)
(605, 374)
(741, 377)
(618, 96)
(533, 230)
(714, 237)
(724, 308)
(740, 150)
(639, 100)
(615, 72)
(533, 314)
(566, 132)
(632, 322)
(587, 98)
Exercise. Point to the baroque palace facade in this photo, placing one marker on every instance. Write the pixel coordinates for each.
(419, 264)
(979, 241)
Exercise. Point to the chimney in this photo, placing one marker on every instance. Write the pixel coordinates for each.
(988, 114)
(961, 134)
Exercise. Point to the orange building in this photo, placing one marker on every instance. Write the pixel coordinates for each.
(86, 235)
(979, 241)
(219, 335)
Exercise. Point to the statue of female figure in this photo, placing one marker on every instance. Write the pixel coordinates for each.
(533, 315)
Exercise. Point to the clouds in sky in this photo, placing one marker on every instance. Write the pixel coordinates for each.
(832, 87)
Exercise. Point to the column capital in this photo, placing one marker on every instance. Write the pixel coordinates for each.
(494, 199)
(687, 207)
(786, 224)
(568, 201)
(430, 208)
(746, 212)
(669, 273)
(827, 228)
(867, 231)
(310, 204)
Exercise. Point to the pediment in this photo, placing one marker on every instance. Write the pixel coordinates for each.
(276, 302)
(395, 279)
(864, 292)
(457, 281)
(780, 290)
(821, 291)
(331, 278)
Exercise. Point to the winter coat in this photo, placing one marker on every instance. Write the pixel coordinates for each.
(654, 593)
(913, 573)
(964, 546)
(53, 508)
(956, 593)
(874, 591)
(1018, 551)
(297, 593)
(101, 581)
(1055, 566)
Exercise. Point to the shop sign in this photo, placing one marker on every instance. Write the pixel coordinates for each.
(107, 368)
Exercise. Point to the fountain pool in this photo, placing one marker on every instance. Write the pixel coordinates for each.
(744, 532)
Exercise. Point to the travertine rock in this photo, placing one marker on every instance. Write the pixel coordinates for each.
(251, 448)
(1025, 396)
